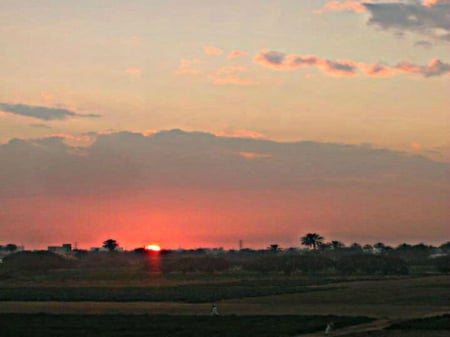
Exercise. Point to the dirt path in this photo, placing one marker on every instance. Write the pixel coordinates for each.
(372, 326)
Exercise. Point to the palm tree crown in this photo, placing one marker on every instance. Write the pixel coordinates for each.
(312, 240)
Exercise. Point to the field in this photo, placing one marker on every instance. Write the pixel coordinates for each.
(163, 325)
(251, 305)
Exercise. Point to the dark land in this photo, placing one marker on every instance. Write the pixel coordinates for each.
(399, 292)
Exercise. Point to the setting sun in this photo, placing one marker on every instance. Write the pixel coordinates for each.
(153, 248)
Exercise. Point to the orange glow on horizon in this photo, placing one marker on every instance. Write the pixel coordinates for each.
(153, 248)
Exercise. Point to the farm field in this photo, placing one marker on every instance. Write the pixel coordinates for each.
(162, 325)
(283, 302)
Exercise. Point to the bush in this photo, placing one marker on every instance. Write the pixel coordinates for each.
(189, 264)
(442, 263)
(33, 261)
(289, 264)
(372, 264)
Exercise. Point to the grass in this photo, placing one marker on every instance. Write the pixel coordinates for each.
(40, 325)
(430, 323)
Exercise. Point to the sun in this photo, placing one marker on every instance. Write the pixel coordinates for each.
(153, 248)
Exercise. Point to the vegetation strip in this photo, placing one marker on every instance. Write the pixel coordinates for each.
(39, 325)
(199, 293)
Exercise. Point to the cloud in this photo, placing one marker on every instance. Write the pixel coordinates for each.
(424, 44)
(40, 126)
(212, 51)
(43, 113)
(190, 184)
(347, 68)
(237, 53)
(254, 155)
(377, 70)
(431, 3)
(435, 68)
(281, 61)
(431, 19)
(241, 133)
(228, 76)
(185, 67)
(134, 71)
(342, 6)
(68, 136)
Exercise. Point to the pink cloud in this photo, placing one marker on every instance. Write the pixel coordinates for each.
(81, 140)
(237, 53)
(346, 68)
(415, 146)
(241, 133)
(376, 70)
(233, 80)
(281, 61)
(212, 51)
(254, 155)
(431, 3)
(185, 67)
(342, 6)
(339, 68)
(435, 68)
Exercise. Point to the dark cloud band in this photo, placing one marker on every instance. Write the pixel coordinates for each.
(42, 113)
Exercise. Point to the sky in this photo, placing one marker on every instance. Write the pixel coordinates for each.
(202, 123)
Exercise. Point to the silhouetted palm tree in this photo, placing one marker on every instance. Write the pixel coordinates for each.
(337, 244)
(110, 244)
(312, 240)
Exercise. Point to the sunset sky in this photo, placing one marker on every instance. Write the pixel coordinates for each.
(286, 117)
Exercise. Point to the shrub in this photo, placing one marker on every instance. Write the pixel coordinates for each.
(372, 264)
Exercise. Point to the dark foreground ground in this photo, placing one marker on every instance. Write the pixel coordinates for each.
(37, 325)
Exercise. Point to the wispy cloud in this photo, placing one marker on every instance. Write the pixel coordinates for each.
(423, 44)
(43, 113)
(431, 3)
(186, 67)
(281, 61)
(86, 139)
(435, 68)
(40, 126)
(212, 51)
(254, 155)
(342, 6)
(241, 133)
(347, 68)
(237, 53)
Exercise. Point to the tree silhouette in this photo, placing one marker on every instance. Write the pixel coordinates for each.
(11, 247)
(110, 244)
(274, 248)
(312, 240)
(337, 244)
